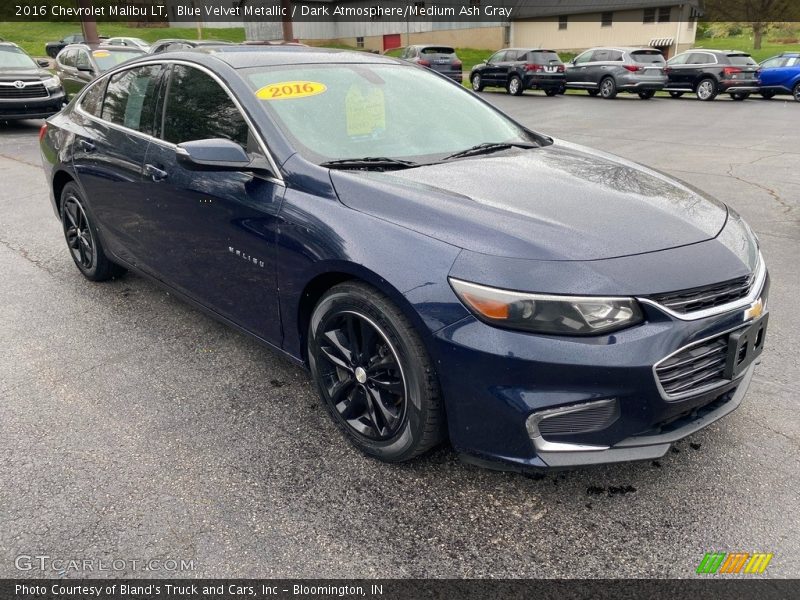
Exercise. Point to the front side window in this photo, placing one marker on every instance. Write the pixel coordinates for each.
(131, 98)
(681, 59)
(498, 57)
(332, 112)
(197, 108)
(584, 58)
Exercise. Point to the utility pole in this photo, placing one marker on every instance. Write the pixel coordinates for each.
(286, 22)
(88, 24)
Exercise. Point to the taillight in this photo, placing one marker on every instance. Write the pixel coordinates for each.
(533, 67)
(561, 68)
(633, 68)
(456, 63)
(42, 131)
(424, 63)
(667, 69)
(728, 71)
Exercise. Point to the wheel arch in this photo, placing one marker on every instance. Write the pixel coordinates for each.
(60, 179)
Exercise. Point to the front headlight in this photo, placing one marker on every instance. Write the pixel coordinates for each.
(544, 313)
(52, 82)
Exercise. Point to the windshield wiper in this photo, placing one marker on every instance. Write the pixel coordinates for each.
(369, 162)
(489, 147)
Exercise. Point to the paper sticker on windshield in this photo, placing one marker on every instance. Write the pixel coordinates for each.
(366, 110)
(291, 89)
(101, 53)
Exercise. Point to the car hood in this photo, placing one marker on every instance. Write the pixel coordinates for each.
(23, 74)
(559, 202)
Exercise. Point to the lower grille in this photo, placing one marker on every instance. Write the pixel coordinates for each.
(37, 90)
(698, 367)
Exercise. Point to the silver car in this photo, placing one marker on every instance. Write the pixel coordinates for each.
(607, 71)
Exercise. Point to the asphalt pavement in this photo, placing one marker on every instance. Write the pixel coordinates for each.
(133, 427)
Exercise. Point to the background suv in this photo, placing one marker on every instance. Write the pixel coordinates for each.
(78, 64)
(442, 59)
(27, 91)
(708, 73)
(781, 75)
(519, 69)
(606, 71)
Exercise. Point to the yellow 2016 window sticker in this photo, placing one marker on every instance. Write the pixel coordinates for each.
(287, 90)
(101, 54)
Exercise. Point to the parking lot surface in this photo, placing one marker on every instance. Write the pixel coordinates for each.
(133, 427)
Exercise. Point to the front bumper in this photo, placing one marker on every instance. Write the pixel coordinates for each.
(499, 384)
(32, 108)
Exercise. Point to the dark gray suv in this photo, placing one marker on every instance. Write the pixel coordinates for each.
(607, 71)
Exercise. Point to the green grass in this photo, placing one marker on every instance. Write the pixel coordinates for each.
(32, 36)
(745, 44)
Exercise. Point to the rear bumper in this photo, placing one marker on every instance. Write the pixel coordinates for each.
(549, 81)
(739, 87)
(641, 86)
(32, 108)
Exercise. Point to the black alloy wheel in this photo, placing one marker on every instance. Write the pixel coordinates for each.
(83, 242)
(373, 373)
(477, 82)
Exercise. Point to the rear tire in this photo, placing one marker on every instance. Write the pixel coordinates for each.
(676, 94)
(707, 89)
(82, 239)
(646, 95)
(740, 95)
(514, 86)
(477, 83)
(608, 88)
(374, 374)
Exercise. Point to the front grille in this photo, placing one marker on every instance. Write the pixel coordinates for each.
(708, 296)
(697, 367)
(584, 421)
(36, 90)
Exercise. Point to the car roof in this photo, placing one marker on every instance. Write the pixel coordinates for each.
(530, 49)
(104, 47)
(9, 45)
(624, 48)
(725, 52)
(241, 57)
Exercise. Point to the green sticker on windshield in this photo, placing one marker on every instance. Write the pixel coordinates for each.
(366, 110)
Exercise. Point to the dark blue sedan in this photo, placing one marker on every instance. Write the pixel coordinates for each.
(443, 273)
(781, 75)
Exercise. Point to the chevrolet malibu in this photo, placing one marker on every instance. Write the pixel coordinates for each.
(442, 274)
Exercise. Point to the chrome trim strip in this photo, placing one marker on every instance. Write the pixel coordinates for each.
(542, 445)
(278, 178)
(755, 291)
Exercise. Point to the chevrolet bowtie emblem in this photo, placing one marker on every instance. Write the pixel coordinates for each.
(755, 310)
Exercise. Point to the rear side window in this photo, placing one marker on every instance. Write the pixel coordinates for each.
(92, 101)
(198, 109)
(647, 57)
(67, 58)
(543, 58)
(131, 98)
(700, 58)
(741, 60)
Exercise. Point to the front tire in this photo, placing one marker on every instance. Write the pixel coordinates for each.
(608, 88)
(706, 89)
(477, 83)
(374, 374)
(796, 91)
(82, 239)
(514, 86)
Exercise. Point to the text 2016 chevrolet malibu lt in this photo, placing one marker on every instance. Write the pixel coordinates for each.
(442, 271)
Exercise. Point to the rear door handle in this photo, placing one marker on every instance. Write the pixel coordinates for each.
(86, 145)
(155, 173)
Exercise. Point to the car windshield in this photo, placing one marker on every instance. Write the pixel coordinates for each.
(741, 60)
(646, 57)
(14, 58)
(346, 111)
(107, 58)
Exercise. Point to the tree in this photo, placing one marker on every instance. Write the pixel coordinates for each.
(759, 14)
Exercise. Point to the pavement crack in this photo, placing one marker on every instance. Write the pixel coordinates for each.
(24, 254)
(787, 208)
(21, 161)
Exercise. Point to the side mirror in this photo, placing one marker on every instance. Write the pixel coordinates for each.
(215, 154)
(85, 68)
(43, 62)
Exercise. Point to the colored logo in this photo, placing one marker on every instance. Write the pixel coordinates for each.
(735, 563)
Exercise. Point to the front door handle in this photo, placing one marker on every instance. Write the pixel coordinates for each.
(155, 173)
(86, 145)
